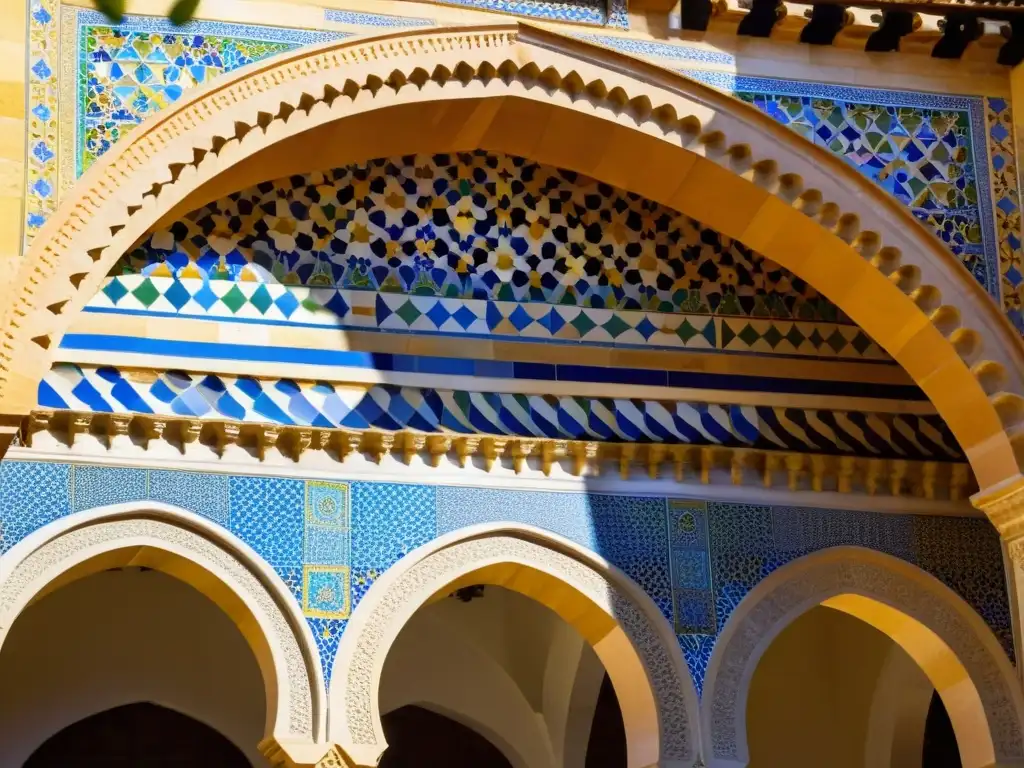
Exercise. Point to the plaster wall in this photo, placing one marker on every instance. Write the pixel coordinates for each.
(811, 697)
(137, 636)
(505, 666)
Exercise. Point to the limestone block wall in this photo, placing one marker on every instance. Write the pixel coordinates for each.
(331, 540)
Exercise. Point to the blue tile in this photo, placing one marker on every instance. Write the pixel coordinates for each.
(32, 494)
(203, 493)
(100, 486)
(267, 514)
(389, 520)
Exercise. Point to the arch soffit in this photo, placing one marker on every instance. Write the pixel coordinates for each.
(212, 560)
(842, 572)
(579, 106)
(471, 552)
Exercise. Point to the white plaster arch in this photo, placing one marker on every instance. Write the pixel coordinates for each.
(211, 559)
(961, 655)
(642, 656)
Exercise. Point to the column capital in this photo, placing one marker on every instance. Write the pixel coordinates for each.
(1004, 506)
(286, 753)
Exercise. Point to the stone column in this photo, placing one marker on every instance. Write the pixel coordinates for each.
(1004, 506)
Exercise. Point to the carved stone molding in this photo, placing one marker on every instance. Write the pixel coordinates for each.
(296, 684)
(363, 656)
(139, 435)
(805, 583)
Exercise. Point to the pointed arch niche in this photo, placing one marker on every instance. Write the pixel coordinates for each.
(622, 624)
(214, 562)
(949, 642)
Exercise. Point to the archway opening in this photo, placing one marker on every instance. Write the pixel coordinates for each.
(511, 670)
(833, 689)
(81, 664)
(137, 734)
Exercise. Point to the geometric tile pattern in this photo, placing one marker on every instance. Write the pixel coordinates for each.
(612, 13)
(326, 550)
(394, 408)
(43, 114)
(923, 157)
(1006, 199)
(369, 310)
(129, 71)
(691, 569)
(200, 492)
(475, 225)
(375, 19)
(695, 559)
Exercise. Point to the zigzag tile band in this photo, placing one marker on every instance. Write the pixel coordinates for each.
(324, 405)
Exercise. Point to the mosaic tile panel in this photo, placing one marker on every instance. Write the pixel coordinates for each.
(374, 19)
(326, 550)
(393, 408)
(612, 13)
(480, 226)
(32, 494)
(691, 568)
(43, 114)
(696, 560)
(130, 71)
(100, 486)
(199, 492)
(1006, 197)
(924, 157)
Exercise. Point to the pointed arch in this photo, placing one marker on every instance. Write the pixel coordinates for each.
(208, 558)
(952, 644)
(573, 104)
(635, 643)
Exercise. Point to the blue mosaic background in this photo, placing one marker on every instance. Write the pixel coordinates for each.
(329, 541)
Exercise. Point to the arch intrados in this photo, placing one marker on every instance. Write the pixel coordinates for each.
(951, 644)
(633, 640)
(790, 201)
(204, 556)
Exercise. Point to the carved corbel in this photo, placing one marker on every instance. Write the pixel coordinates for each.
(40, 421)
(301, 440)
(465, 449)
(929, 478)
(521, 450)
(737, 465)
(551, 452)
(794, 470)
(78, 424)
(847, 467)
(382, 447)
(772, 464)
(285, 753)
(897, 472)
(349, 443)
(627, 453)
(118, 425)
(190, 430)
(492, 451)
(412, 444)
(154, 431)
(707, 463)
(873, 475)
(438, 447)
(680, 461)
(584, 458)
(959, 481)
(227, 433)
(819, 471)
(266, 438)
(655, 456)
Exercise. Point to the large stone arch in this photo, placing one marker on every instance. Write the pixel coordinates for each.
(635, 643)
(573, 104)
(952, 644)
(210, 559)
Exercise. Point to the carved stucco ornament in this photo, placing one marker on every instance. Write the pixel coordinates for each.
(442, 567)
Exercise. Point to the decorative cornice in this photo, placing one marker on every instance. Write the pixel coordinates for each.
(232, 442)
